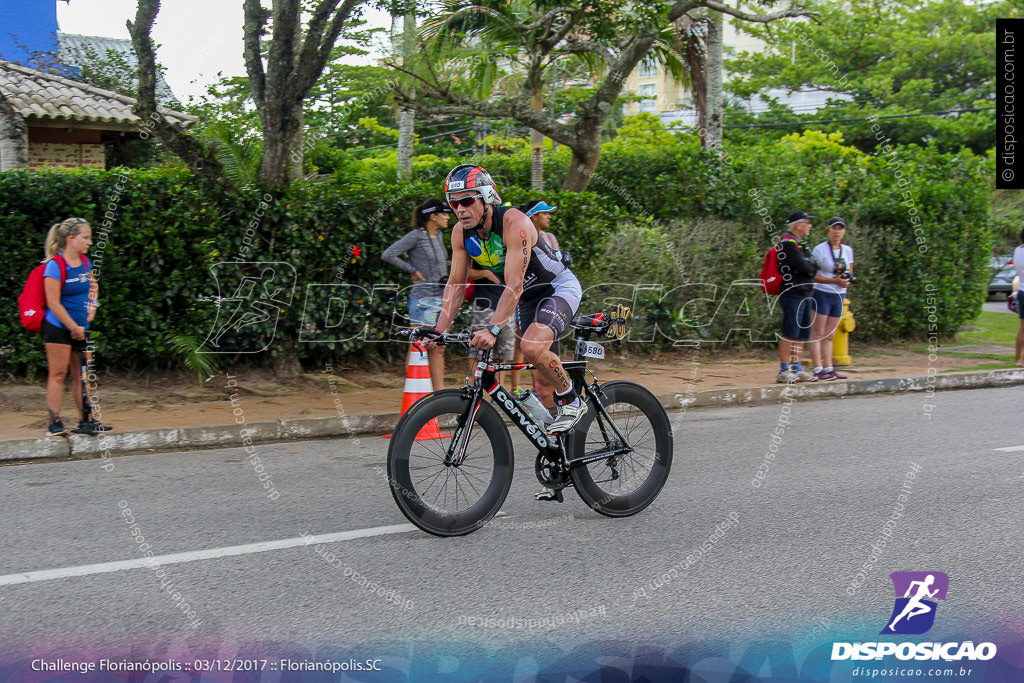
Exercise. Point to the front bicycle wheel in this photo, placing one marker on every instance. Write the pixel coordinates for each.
(623, 484)
(439, 497)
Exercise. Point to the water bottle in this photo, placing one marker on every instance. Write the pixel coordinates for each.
(532, 405)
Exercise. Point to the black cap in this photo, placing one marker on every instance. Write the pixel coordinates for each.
(836, 220)
(434, 206)
(798, 216)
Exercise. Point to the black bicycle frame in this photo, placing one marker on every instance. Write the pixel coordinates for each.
(486, 376)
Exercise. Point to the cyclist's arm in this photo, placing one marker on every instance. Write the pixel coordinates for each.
(519, 236)
(455, 288)
(481, 274)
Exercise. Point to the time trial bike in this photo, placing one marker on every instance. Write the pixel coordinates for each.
(450, 462)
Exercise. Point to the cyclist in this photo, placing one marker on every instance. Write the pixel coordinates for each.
(539, 289)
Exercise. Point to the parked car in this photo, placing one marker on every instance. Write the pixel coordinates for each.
(1002, 272)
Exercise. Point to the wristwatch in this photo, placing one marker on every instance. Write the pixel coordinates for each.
(495, 329)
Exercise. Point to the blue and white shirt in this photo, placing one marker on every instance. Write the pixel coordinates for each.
(74, 294)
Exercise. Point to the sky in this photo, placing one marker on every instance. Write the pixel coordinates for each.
(196, 38)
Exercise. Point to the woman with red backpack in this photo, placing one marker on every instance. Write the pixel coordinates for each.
(71, 302)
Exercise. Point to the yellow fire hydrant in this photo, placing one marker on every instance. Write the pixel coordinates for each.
(841, 340)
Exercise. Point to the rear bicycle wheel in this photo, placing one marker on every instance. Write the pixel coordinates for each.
(624, 484)
(445, 499)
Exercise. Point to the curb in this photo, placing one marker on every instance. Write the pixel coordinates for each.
(77, 446)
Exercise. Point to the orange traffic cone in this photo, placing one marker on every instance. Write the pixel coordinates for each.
(418, 385)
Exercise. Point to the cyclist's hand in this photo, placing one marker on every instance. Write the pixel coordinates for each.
(429, 335)
(416, 277)
(483, 339)
(425, 332)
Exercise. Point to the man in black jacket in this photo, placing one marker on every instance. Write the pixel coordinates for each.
(799, 273)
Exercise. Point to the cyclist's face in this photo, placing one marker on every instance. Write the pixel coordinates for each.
(468, 215)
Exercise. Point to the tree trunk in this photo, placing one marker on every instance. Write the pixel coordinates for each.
(537, 148)
(297, 153)
(13, 138)
(714, 103)
(407, 117)
(585, 154)
(278, 143)
(406, 127)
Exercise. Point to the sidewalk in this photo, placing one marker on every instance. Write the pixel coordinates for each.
(183, 416)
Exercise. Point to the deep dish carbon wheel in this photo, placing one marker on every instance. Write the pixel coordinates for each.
(623, 485)
(448, 500)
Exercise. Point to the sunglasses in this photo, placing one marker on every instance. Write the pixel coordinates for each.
(465, 202)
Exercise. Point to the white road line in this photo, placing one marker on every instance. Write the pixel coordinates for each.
(1010, 449)
(192, 556)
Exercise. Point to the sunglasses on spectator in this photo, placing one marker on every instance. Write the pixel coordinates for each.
(464, 202)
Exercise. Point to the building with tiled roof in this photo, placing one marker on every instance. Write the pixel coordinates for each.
(77, 50)
(66, 123)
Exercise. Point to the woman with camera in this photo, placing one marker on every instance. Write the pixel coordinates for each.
(835, 266)
(428, 265)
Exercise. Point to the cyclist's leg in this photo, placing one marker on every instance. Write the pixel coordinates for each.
(537, 344)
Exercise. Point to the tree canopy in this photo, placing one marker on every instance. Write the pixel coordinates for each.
(887, 58)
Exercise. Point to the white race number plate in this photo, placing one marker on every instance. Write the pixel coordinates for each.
(590, 349)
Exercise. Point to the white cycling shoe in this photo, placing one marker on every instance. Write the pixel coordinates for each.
(568, 417)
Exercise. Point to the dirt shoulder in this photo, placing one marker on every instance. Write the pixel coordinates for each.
(177, 400)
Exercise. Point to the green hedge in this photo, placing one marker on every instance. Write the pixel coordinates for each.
(660, 210)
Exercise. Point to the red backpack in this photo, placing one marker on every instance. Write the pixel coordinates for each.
(771, 277)
(32, 301)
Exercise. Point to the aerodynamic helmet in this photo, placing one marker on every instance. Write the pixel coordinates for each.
(470, 177)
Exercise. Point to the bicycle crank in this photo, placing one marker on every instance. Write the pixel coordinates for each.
(550, 473)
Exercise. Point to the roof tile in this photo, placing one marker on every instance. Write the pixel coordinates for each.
(36, 94)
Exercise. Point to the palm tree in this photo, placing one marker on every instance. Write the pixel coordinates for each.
(530, 40)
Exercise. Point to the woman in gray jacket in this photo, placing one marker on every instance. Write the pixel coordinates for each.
(428, 265)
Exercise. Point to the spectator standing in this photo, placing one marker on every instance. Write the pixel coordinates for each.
(834, 261)
(71, 304)
(798, 277)
(1018, 265)
(428, 265)
(540, 214)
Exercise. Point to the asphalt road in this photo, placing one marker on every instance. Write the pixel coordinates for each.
(781, 568)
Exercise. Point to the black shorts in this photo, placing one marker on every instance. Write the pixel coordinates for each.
(553, 312)
(61, 335)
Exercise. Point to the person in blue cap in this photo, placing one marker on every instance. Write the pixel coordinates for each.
(540, 213)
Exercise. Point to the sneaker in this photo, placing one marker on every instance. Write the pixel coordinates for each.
(56, 428)
(92, 427)
(804, 376)
(824, 376)
(786, 377)
(568, 417)
(836, 375)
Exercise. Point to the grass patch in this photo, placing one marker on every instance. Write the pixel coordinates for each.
(1009, 365)
(993, 328)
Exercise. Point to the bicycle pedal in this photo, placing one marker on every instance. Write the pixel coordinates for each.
(551, 494)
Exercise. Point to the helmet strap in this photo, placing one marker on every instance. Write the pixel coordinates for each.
(483, 219)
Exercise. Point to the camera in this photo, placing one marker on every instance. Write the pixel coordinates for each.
(841, 272)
